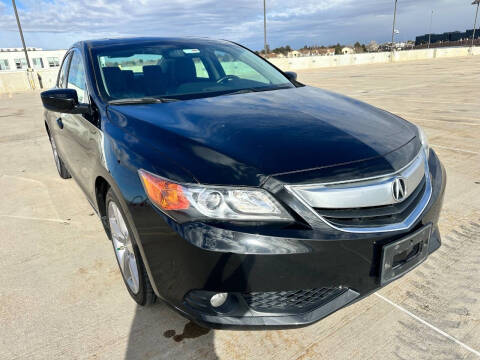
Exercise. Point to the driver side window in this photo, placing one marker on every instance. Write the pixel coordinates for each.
(76, 77)
(236, 67)
(62, 77)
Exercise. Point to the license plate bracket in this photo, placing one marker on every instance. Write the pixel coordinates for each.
(404, 254)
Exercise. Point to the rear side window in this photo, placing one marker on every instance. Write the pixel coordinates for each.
(62, 78)
(76, 77)
(200, 68)
(134, 63)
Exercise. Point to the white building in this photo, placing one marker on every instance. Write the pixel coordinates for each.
(347, 51)
(294, 53)
(13, 59)
(373, 46)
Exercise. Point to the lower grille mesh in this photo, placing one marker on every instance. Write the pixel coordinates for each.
(299, 301)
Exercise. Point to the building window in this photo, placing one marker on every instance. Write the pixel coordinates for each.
(37, 63)
(4, 64)
(20, 64)
(53, 62)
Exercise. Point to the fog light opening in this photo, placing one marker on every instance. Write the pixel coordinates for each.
(218, 300)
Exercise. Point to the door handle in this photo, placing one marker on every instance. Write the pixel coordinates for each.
(60, 123)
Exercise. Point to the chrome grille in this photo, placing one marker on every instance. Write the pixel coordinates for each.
(363, 192)
(374, 216)
(368, 205)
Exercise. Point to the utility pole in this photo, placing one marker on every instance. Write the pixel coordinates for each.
(265, 27)
(430, 30)
(394, 20)
(21, 34)
(475, 2)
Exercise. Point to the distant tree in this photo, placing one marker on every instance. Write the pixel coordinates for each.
(360, 48)
(338, 49)
(282, 50)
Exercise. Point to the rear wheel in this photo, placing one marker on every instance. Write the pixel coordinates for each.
(127, 253)
(62, 170)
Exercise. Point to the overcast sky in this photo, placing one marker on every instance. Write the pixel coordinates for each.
(53, 24)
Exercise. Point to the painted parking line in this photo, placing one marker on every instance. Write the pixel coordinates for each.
(37, 219)
(449, 122)
(429, 325)
(456, 149)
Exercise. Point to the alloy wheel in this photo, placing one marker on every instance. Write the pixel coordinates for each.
(123, 247)
(55, 154)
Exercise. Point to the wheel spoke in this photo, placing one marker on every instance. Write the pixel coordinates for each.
(55, 153)
(117, 217)
(116, 232)
(132, 265)
(126, 265)
(121, 222)
(121, 259)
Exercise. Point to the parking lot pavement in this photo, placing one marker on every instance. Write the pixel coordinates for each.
(61, 295)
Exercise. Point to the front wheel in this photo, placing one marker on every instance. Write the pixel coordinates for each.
(62, 170)
(127, 253)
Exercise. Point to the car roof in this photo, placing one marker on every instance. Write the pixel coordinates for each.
(138, 40)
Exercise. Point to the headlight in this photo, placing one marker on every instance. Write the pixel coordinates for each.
(184, 202)
(423, 140)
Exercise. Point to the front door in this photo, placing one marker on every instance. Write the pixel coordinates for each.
(82, 137)
(54, 119)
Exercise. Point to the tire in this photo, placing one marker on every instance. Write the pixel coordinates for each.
(126, 250)
(62, 170)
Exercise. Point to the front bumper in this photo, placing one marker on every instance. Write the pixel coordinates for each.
(241, 260)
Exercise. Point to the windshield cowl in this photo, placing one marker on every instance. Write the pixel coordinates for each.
(153, 100)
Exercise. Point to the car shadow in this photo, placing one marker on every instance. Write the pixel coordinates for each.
(158, 332)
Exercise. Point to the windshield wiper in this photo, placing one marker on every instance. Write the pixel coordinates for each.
(242, 91)
(259, 89)
(143, 100)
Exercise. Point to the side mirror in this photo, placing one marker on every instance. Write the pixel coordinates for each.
(63, 101)
(292, 76)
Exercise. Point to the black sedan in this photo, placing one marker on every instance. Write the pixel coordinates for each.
(231, 191)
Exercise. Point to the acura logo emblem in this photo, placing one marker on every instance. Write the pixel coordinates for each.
(399, 189)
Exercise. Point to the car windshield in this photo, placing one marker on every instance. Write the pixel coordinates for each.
(182, 70)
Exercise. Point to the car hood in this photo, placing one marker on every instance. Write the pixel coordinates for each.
(245, 138)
